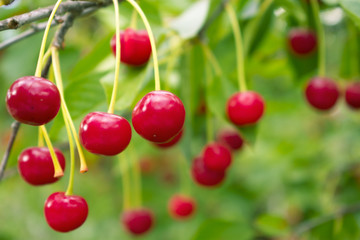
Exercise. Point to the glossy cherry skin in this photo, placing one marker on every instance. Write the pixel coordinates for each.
(204, 176)
(322, 93)
(158, 116)
(36, 167)
(245, 108)
(230, 138)
(216, 157)
(105, 133)
(138, 221)
(302, 41)
(65, 213)
(135, 47)
(172, 142)
(181, 206)
(352, 95)
(33, 100)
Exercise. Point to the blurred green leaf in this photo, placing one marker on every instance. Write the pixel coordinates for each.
(352, 7)
(272, 225)
(212, 229)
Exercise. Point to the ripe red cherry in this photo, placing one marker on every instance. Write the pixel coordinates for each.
(135, 47)
(230, 138)
(33, 100)
(322, 93)
(352, 95)
(172, 142)
(181, 206)
(65, 213)
(158, 116)
(204, 176)
(244, 108)
(302, 41)
(138, 221)
(36, 167)
(105, 133)
(216, 157)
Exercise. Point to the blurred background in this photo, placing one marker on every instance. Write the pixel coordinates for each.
(298, 164)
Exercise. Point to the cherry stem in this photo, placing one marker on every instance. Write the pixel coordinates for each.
(57, 168)
(152, 42)
(133, 19)
(239, 46)
(43, 43)
(136, 178)
(321, 38)
(58, 79)
(117, 57)
(354, 47)
(69, 190)
(125, 181)
(212, 59)
(40, 138)
(209, 123)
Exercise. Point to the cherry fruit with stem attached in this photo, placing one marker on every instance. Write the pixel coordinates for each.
(105, 133)
(159, 116)
(322, 93)
(137, 221)
(181, 206)
(36, 166)
(33, 100)
(135, 47)
(65, 213)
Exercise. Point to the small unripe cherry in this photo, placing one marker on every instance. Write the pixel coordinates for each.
(230, 138)
(352, 95)
(33, 100)
(216, 157)
(137, 221)
(181, 206)
(322, 93)
(204, 176)
(65, 213)
(245, 108)
(158, 116)
(135, 47)
(302, 41)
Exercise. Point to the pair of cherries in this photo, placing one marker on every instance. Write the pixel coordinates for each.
(322, 93)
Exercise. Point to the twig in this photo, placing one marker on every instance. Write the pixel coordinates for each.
(15, 128)
(60, 34)
(309, 225)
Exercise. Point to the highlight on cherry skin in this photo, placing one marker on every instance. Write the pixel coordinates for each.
(159, 116)
(352, 95)
(230, 138)
(302, 41)
(204, 176)
(33, 100)
(181, 206)
(135, 47)
(65, 213)
(36, 167)
(216, 157)
(104, 133)
(137, 221)
(245, 108)
(322, 93)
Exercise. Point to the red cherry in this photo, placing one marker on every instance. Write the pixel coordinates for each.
(105, 133)
(135, 47)
(352, 95)
(36, 167)
(204, 176)
(181, 206)
(244, 108)
(322, 93)
(172, 142)
(65, 213)
(158, 116)
(230, 138)
(33, 100)
(216, 157)
(302, 41)
(138, 221)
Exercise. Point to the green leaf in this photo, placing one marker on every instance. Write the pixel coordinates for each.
(272, 225)
(190, 22)
(212, 229)
(352, 7)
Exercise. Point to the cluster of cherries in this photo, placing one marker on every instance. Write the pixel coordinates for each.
(321, 92)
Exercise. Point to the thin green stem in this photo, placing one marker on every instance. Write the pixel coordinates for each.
(353, 33)
(125, 181)
(58, 79)
(133, 20)
(239, 46)
(209, 123)
(152, 42)
(43, 43)
(69, 190)
(212, 59)
(58, 172)
(321, 38)
(117, 57)
(40, 138)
